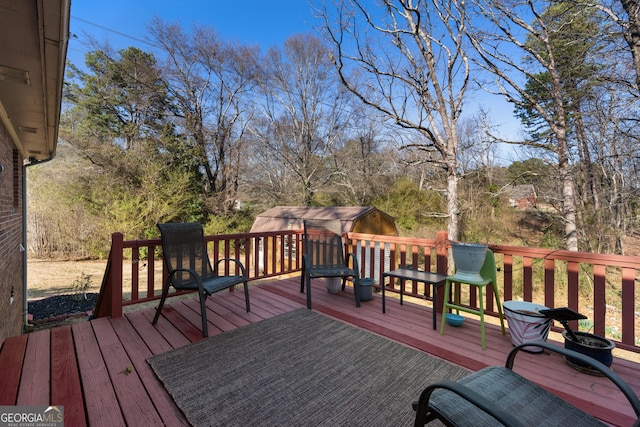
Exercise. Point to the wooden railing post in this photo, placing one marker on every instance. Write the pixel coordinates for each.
(117, 249)
(442, 252)
(110, 298)
(442, 263)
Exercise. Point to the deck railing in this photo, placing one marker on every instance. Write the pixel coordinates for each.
(605, 288)
(602, 287)
(135, 271)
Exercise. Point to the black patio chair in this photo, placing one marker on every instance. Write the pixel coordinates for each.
(498, 396)
(185, 254)
(323, 256)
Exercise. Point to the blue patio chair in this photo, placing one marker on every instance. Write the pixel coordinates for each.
(499, 396)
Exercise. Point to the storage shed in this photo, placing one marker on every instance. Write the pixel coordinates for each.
(363, 219)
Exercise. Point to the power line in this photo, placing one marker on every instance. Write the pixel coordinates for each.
(111, 30)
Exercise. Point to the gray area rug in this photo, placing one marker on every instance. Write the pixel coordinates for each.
(299, 369)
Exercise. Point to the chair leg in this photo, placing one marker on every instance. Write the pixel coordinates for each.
(308, 284)
(356, 290)
(246, 296)
(481, 310)
(165, 291)
(203, 314)
(455, 298)
(445, 306)
(500, 313)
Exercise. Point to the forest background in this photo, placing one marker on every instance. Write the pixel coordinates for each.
(372, 109)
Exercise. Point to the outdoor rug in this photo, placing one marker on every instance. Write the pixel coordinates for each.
(299, 369)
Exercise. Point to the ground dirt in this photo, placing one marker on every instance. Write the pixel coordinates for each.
(50, 278)
(62, 292)
(65, 291)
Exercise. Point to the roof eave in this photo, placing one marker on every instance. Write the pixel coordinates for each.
(35, 36)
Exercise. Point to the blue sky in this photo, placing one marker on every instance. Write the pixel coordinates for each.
(262, 22)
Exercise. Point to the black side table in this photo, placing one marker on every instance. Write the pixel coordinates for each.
(427, 277)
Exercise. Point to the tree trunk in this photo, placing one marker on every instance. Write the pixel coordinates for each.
(452, 204)
(569, 214)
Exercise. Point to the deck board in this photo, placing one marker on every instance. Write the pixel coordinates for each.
(86, 364)
(226, 313)
(11, 357)
(149, 334)
(411, 324)
(65, 377)
(35, 387)
(170, 332)
(192, 332)
(139, 353)
(217, 323)
(101, 403)
(134, 401)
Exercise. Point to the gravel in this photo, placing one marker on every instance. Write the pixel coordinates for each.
(61, 306)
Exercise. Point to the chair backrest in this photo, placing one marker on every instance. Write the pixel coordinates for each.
(323, 243)
(488, 270)
(183, 246)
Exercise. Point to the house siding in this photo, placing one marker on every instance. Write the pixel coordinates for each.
(11, 260)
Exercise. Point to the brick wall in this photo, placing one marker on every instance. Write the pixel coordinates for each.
(11, 261)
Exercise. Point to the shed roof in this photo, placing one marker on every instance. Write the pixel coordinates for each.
(291, 217)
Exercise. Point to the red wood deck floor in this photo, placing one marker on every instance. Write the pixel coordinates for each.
(97, 370)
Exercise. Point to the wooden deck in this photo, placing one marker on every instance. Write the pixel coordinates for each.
(97, 370)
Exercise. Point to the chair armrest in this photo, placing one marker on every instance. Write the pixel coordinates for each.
(603, 369)
(237, 262)
(192, 273)
(354, 260)
(477, 400)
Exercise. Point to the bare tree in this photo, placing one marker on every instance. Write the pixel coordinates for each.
(477, 146)
(363, 164)
(611, 130)
(209, 80)
(406, 59)
(517, 48)
(625, 15)
(304, 113)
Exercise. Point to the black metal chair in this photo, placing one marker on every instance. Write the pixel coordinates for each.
(185, 254)
(498, 396)
(323, 256)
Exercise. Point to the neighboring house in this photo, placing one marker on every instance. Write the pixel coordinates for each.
(33, 48)
(522, 196)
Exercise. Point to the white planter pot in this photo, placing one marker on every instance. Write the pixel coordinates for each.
(333, 284)
(526, 324)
